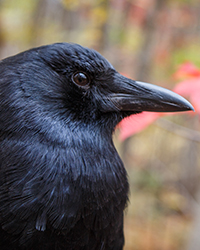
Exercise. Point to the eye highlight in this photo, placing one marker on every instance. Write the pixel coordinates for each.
(81, 79)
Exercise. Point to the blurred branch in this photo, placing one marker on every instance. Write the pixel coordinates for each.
(146, 54)
(189, 174)
(194, 241)
(103, 41)
(179, 130)
(147, 51)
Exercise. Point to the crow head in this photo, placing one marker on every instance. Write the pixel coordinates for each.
(67, 80)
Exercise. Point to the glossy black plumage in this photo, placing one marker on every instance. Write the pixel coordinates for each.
(62, 183)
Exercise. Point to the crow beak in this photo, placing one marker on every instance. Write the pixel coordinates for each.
(132, 95)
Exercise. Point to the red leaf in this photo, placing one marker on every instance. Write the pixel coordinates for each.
(136, 123)
(186, 70)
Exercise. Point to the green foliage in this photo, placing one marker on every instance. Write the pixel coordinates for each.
(186, 53)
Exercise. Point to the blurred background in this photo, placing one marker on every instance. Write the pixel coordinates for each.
(146, 40)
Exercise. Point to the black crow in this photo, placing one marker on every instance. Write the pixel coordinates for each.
(62, 183)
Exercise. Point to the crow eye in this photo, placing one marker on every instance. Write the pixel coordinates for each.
(81, 79)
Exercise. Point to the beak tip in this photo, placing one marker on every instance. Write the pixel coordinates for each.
(192, 109)
(189, 107)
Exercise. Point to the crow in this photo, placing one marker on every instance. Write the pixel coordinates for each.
(62, 182)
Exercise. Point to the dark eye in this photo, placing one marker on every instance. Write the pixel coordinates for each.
(81, 79)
